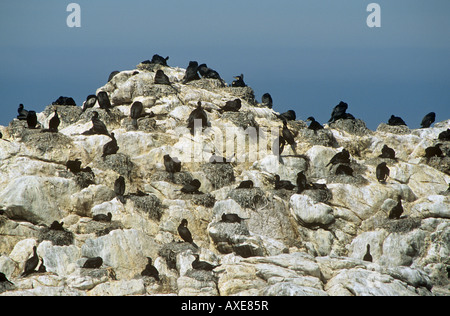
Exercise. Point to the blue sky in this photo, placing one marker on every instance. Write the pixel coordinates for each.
(309, 54)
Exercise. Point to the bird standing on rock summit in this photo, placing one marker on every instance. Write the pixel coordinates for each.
(238, 82)
(315, 126)
(428, 120)
(191, 72)
(54, 123)
(185, 233)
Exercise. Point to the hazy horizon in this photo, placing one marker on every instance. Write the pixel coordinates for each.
(309, 55)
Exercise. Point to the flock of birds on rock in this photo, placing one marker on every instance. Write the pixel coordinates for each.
(172, 165)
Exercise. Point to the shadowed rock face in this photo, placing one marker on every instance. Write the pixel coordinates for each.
(310, 243)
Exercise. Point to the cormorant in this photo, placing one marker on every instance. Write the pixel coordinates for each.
(185, 234)
(150, 270)
(238, 82)
(110, 148)
(382, 172)
(315, 126)
(428, 120)
(31, 264)
(397, 210)
(283, 184)
(396, 121)
(197, 114)
(368, 256)
(103, 218)
(342, 157)
(93, 263)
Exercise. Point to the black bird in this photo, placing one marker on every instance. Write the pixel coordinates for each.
(103, 218)
(23, 114)
(339, 112)
(90, 102)
(248, 184)
(98, 127)
(238, 82)
(201, 265)
(434, 151)
(208, 73)
(302, 183)
(65, 101)
(382, 172)
(267, 100)
(396, 121)
(3, 279)
(344, 170)
(315, 126)
(287, 116)
(191, 72)
(54, 123)
(387, 152)
(32, 119)
(231, 106)
(150, 270)
(31, 264)
(231, 218)
(289, 137)
(397, 210)
(74, 165)
(342, 157)
(159, 60)
(368, 256)
(428, 120)
(172, 165)
(445, 136)
(57, 226)
(197, 114)
(113, 74)
(185, 234)
(283, 184)
(103, 101)
(93, 263)
(110, 148)
(161, 78)
(192, 187)
(136, 112)
(119, 188)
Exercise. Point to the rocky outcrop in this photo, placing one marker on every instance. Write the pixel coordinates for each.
(287, 243)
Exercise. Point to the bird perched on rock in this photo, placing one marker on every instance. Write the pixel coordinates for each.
(65, 101)
(93, 263)
(202, 265)
(162, 78)
(396, 121)
(288, 136)
(113, 74)
(315, 126)
(3, 279)
(172, 165)
(231, 106)
(340, 158)
(31, 263)
(90, 102)
(192, 187)
(74, 166)
(197, 114)
(238, 82)
(368, 256)
(98, 127)
(382, 172)
(57, 226)
(185, 233)
(23, 114)
(32, 119)
(150, 270)
(339, 112)
(283, 184)
(119, 189)
(387, 152)
(344, 170)
(267, 100)
(248, 184)
(302, 183)
(191, 72)
(428, 120)
(434, 151)
(159, 60)
(110, 148)
(103, 218)
(397, 210)
(445, 135)
(136, 110)
(231, 218)
(287, 116)
(208, 73)
(54, 123)
(103, 101)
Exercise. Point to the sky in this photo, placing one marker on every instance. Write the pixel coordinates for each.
(308, 54)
